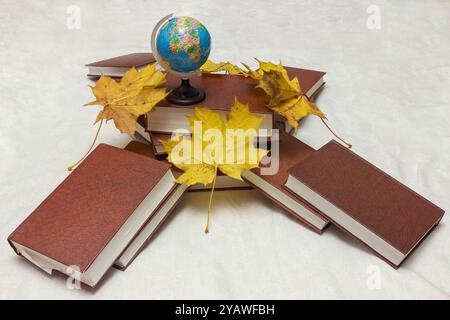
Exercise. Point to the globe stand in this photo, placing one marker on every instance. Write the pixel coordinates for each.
(186, 94)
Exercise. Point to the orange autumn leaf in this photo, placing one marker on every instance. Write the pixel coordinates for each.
(123, 102)
(285, 94)
(136, 94)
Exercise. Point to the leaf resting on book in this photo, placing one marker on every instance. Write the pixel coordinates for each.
(201, 156)
(286, 96)
(136, 94)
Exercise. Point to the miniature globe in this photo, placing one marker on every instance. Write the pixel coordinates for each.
(183, 44)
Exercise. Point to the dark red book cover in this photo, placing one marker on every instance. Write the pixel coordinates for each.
(366, 202)
(125, 61)
(81, 216)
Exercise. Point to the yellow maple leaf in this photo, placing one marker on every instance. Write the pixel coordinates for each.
(151, 77)
(123, 120)
(216, 144)
(240, 117)
(296, 108)
(267, 66)
(182, 153)
(279, 87)
(123, 102)
(254, 74)
(210, 67)
(136, 94)
(285, 95)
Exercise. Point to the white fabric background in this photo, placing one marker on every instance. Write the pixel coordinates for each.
(387, 93)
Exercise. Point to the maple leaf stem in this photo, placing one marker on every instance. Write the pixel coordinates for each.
(340, 139)
(70, 168)
(210, 203)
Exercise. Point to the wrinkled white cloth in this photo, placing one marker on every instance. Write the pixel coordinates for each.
(387, 93)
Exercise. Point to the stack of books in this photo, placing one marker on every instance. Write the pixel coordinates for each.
(221, 91)
(109, 207)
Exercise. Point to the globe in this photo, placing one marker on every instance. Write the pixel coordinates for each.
(183, 44)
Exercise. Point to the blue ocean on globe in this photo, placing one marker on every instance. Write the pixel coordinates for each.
(184, 44)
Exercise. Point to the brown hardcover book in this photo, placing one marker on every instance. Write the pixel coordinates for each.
(311, 81)
(221, 91)
(89, 219)
(118, 66)
(157, 146)
(142, 149)
(290, 151)
(158, 216)
(141, 128)
(364, 201)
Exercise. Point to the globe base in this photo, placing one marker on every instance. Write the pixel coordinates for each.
(186, 94)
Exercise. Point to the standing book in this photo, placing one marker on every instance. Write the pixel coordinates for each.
(94, 214)
(364, 201)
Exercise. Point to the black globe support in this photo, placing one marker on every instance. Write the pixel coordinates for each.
(186, 94)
